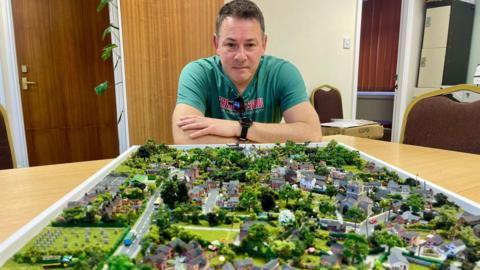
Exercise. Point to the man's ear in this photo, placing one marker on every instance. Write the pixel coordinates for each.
(215, 41)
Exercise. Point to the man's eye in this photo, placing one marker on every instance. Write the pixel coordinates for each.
(230, 45)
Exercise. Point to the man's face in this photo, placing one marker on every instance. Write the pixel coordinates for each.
(240, 46)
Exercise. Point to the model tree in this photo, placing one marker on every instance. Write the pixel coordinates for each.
(248, 199)
(356, 214)
(283, 249)
(416, 202)
(322, 170)
(286, 218)
(355, 248)
(326, 207)
(212, 219)
(385, 238)
(254, 242)
(331, 191)
(133, 193)
(288, 192)
(121, 262)
(468, 236)
(75, 215)
(267, 198)
(162, 218)
(447, 217)
(252, 176)
(412, 182)
(182, 192)
(440, 199)
(174, 192)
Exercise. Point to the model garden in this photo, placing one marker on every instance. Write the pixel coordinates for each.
(291, 206)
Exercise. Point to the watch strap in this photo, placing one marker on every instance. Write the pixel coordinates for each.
(243, 133)
(245, 123)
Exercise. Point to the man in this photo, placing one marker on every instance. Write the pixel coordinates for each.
(242, 94)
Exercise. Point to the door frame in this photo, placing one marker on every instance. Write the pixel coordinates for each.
(356, 58)
(12, 97)
(404, 70)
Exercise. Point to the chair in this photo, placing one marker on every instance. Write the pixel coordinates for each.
(7, 156)
(436, 120)
(327, 101)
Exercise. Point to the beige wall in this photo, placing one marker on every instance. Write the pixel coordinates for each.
(310, 33)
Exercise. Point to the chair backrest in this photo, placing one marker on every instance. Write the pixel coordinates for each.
(327, 101)
(7, 157)
(438, 121)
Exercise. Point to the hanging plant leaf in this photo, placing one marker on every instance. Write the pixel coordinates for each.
(102, 4)
(100, 89)
(107, 51)
(107, 31)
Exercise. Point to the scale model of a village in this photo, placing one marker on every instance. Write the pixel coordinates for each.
(290, 206)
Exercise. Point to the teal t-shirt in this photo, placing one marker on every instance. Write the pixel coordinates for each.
(276, 87)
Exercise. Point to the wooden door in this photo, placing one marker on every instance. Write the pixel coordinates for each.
(59, 42)
(159, 38)
(379, 45)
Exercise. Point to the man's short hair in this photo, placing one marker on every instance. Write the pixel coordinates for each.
(243, 9)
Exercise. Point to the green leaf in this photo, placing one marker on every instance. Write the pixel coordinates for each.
(100, 89)
(107, 31)
(102, 4)
(107, 51)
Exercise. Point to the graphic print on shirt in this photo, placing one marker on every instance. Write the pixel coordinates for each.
(250, 106)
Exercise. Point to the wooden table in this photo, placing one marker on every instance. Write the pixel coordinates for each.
(25, 193)
(455, 171)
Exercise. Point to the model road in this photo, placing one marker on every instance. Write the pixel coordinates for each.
(363, 226)
(141, 227)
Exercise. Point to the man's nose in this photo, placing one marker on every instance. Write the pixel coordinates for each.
(240, 55)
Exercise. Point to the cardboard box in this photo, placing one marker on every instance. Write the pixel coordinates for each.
(357, 128)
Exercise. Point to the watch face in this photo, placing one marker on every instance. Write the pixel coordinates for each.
(246, 122)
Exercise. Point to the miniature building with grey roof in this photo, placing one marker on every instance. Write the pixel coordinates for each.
(396, 261)
(329, 260)
(271, 265)
(243, 264)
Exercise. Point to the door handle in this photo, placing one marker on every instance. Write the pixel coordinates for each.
(25, 83)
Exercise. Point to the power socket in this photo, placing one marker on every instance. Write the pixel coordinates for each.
(347, 43)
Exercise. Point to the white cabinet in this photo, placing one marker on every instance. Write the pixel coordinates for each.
(435, 34)
(446, 43)
(431, 67)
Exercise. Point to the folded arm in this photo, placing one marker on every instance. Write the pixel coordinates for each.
(190, 126)
(301, 125)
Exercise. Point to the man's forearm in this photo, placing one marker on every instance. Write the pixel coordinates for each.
(184, 138)
(273, 133)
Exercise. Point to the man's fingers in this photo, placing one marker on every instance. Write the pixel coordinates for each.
(193, 126)
(187, 121)
(199, 133)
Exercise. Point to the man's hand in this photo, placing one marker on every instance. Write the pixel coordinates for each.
(201, 126)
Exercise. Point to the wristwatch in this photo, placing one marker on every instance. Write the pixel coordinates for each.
(246, 123)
